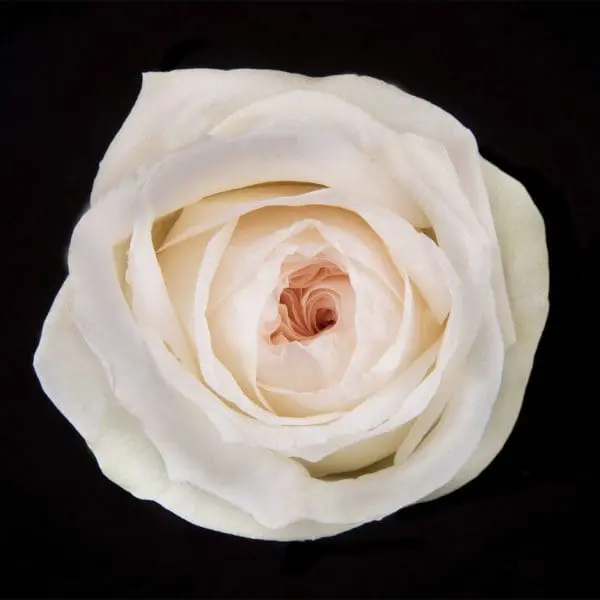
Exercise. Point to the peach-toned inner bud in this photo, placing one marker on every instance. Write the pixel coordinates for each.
(307, 307)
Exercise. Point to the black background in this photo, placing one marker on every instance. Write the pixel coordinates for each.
(524, 78)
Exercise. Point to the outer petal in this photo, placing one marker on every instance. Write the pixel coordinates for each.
(68, 370)
(174, 109)
(522, 239)
(74, 379)
(151, 303)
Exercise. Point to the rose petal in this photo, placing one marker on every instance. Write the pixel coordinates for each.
(176, 108)
(298, 110)
(214, 372)
(180, 264)
(313, 155)
(196, 218)
(522, 239)
(65, 374)
(378, 316)
(151, 303)
(358, 456)
(460, 233)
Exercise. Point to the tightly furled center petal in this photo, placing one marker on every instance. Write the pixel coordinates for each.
(307, 307)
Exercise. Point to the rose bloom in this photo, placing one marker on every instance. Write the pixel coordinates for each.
(295, 305)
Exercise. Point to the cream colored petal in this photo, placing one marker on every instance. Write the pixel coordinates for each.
(299, 372)
(460, 233)
(67, 370)
(232, 327)
(360, 455)
(177, 108)
(378, 290)
(525, 258)
(377, 320)
(437, 459)
(217, 375)
(258, 236)
(151, 303)
(354, 238)
(220, 208)
(300, 109)
(417, 255)
(418, 330)
(180, 264)
(396, 403)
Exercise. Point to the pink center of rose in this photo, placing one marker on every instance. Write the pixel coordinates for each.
(307, 307)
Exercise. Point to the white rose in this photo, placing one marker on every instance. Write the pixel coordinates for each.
(295, 304)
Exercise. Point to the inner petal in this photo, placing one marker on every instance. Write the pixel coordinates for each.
(307, 306)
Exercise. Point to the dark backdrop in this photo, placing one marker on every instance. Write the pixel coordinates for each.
(524, 78)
